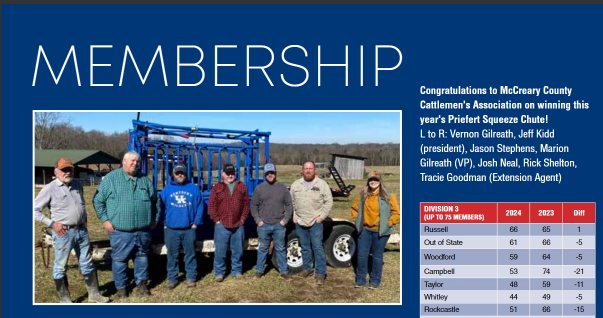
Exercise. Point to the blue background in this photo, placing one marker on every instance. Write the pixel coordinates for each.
(443, 45)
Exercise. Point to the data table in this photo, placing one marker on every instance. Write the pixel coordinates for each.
(508, 259)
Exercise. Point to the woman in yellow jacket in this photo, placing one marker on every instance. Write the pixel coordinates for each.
(375, 213)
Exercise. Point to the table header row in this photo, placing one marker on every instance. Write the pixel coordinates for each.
(508, 212)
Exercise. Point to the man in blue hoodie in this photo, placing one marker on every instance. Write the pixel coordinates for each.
(182, 210)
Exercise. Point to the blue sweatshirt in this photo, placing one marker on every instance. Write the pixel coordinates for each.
(181, 205)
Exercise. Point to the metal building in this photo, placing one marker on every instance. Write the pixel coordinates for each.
(349, 167)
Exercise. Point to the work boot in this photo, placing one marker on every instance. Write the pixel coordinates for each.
(142, 289)
(320, 279)
(306, 273)
(63, 290)
(121, 293)
(94, 296)
(190, 283)
(172, 285)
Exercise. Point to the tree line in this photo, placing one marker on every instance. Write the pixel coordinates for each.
(52, 132)
(375, 154)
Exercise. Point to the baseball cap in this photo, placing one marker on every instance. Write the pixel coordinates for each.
(63, 163)
(374, 175)
(229, 168)
(180, 168)
(269, 168)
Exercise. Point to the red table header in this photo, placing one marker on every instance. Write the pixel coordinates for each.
(508, 212)
(458, 213)
(579, 212)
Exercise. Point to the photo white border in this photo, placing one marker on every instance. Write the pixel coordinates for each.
(34, 111)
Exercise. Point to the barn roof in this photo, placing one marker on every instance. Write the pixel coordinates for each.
(49, 157)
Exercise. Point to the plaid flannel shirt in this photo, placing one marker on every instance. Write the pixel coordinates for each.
(230, 209)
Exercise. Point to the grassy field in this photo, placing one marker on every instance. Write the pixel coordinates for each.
(269, 289)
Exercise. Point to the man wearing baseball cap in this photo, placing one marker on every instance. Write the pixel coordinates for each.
(64, 196)
(229, 208)
(271, 209)
(182, 211)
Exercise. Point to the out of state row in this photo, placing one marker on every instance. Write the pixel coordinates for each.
(535, 242)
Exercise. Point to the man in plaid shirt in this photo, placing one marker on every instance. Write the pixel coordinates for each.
(228, 207)
(126, 205)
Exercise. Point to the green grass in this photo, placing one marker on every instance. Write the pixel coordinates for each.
(338, 287)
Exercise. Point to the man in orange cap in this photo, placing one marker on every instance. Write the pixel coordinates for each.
(64, 196)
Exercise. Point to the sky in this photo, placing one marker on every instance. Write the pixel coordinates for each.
(286, 127)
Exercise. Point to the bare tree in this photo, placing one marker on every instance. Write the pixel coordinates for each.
(46, 122)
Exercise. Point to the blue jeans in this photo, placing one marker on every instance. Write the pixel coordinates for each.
(310, 239)
(276, 233)
(223, 237)
(370, 242)
(124, 245)
(173, 240)
(76, 239)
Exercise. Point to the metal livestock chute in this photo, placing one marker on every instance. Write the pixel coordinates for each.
(204, 151)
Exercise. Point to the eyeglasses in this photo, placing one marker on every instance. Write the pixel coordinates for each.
(179, 173)
(270, 173)
(230, 174)
(66, 170)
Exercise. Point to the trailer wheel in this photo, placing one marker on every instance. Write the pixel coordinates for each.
(294, 254)
(340, 246)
